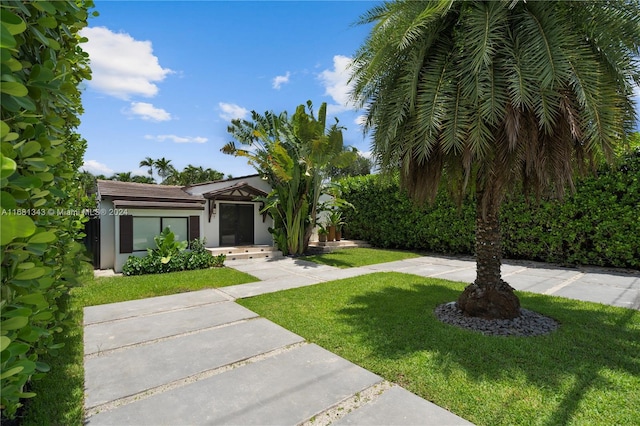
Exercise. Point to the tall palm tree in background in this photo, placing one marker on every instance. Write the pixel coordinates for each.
(150, 163)
(493, 94)
(122, 177)
(164, 168)
(191, 175)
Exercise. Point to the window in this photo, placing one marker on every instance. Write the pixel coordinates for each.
(146, 228)
(137, 233)
(177, 225)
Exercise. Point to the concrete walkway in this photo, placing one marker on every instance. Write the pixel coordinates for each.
(199, 358)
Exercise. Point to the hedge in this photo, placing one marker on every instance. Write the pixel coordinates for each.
(597, 225)
(42, 67)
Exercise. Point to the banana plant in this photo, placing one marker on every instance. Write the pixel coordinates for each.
(294, 155)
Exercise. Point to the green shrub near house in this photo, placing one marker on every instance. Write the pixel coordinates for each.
(171, 256)
(598, 225)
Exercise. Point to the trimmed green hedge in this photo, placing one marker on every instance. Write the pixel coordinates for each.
(598, 225)
(42, 216)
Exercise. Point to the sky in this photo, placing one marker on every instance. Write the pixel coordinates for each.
(168, 76)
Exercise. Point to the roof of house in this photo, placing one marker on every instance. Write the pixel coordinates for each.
(144, 191)
(241, 191)
(222, 180)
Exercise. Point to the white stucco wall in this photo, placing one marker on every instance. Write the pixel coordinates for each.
(211, 230)
(107, 234)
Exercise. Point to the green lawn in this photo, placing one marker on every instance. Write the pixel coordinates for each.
(98, 291)
(353, 257)
(60, 399)
(585, 373)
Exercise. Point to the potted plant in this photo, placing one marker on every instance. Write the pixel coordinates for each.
(322, 233)
(335, 222)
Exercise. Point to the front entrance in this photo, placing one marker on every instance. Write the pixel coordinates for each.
(236, 224)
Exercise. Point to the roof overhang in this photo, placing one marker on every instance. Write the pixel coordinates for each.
(240, 192)
(165, 205)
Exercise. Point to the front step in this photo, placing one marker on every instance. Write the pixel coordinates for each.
(246, 252)
(336, 245)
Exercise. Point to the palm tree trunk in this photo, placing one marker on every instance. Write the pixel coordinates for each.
(488, 297)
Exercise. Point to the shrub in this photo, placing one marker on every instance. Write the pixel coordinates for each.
(42, 67)
(171, 256)
(597, 225)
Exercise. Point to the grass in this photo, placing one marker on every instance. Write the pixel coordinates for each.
(98, 291)
(60, 394)
(586, 372)
(354, 257)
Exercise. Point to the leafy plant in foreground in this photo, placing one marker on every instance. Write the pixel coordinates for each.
(42, 67)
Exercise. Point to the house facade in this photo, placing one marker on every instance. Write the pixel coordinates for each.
(223, 213)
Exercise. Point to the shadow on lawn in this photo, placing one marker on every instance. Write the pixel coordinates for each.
(397, 322)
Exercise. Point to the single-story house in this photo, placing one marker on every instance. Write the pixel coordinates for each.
(223, 213)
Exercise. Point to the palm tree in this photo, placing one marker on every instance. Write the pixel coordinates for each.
(142, 179)
(150, 163)
(122, 177)
(192, 174)
(496, 93)
(164, 168)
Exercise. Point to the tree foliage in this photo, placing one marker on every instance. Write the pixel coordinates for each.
(496, 94)
(42, 66)
(191, 175)
(597, 225)
(360, 166)
(293, 154)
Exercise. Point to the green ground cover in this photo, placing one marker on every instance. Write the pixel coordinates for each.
(60, 399)
(353, 257)
(97, 291)
(586, 372)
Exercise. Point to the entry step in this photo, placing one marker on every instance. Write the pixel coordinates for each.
(246, 252)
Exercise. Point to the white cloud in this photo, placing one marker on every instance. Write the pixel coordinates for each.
(147, 111)
(122, 66)
(360, 120)
(177, 139)
(279, 80)
(96, 168)
(336, 83)
(232, 111)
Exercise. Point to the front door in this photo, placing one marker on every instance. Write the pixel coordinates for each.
(236, 224)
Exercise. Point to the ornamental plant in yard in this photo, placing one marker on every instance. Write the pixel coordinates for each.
(171, 256)
(498, 95)
(294, 154)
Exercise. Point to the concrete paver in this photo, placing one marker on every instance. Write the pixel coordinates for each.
(134, 308)
(286, 389)
(398, 406)
(124, 373)
(118, 333)
(270, 286)
(199, 358)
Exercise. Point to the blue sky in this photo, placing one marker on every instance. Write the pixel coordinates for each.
(168, 76)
